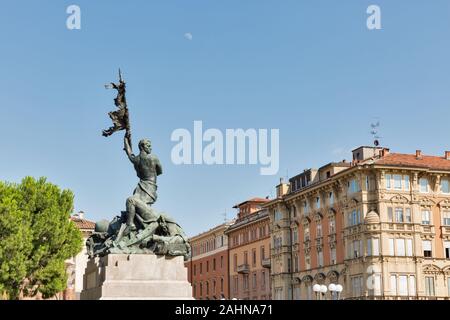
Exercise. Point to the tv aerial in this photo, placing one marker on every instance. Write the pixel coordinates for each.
(224, 214)
(374, 132)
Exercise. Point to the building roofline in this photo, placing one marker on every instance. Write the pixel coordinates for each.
(336, 164)
(224, 225)
(371, 147)
(247, 220)
(372, 162)
(252, 200)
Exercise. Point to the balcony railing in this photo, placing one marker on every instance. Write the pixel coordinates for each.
(307, 244)
(428, 229)
(445, 229)
(243, 268)
(400, 226)
(332, 238)
(319, 241)
(266, 263)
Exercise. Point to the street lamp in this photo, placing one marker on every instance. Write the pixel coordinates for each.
(339, 290)
(316, 289)
(335, 288)
(323, 290)
(320, 291)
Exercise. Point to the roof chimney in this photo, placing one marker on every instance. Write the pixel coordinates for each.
(447, 155)
(384, 152)
(418, 154)
(282, 188)
(80, 214)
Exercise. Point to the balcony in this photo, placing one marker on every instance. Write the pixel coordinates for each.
(243, 268)
(400, 226)
(319, 242)
(445, 230)
(332, 238)
(428, 229)
(266, 263)
(307, 244)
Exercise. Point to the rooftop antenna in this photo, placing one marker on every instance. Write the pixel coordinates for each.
(374, 132)
(376, 138)
(225, 216)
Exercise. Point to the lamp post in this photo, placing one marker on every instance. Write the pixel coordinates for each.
(332, 289)
(320, 291)
(335, 288)
(323, 291)
(316, 289)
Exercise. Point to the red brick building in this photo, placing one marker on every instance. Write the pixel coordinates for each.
(208, 267)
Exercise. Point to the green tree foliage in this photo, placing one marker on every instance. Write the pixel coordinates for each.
(36, 237)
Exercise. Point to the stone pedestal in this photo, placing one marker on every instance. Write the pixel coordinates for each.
(137, 277)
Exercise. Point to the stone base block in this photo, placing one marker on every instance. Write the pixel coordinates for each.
(136, 277)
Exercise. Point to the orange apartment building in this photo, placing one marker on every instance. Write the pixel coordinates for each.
(249, 252)
(208, 265)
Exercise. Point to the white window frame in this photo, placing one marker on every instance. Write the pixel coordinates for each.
(406, 182)
(403, 285)
(390, 214)
(376, 246)
(427, 245)
(412, 285)
(409, 247)
(393, 284)
(402, 215)
(401, 248)
(320, 258)
(430, 291)
(391, 242)
(397, 181)
(427, 215)
(408, 215)
(447, 181)
(424, 187)
(387, 178)
(319, 232)
(446, 217)
(333, 256)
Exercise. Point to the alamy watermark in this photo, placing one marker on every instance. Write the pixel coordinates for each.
(73, 21)
(374, 20)
(235, 146)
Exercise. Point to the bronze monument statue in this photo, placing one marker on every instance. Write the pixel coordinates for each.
(139, 229)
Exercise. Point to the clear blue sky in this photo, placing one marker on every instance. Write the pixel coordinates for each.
(310, 68)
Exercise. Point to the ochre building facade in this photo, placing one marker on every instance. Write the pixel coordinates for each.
(379, 226)
(249, 252)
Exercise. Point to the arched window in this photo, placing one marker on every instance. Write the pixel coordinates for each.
(332, 226)
(319, 229)
(306, 232)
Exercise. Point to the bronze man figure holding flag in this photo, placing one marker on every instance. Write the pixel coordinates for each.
(147, 165)
(139, 229)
